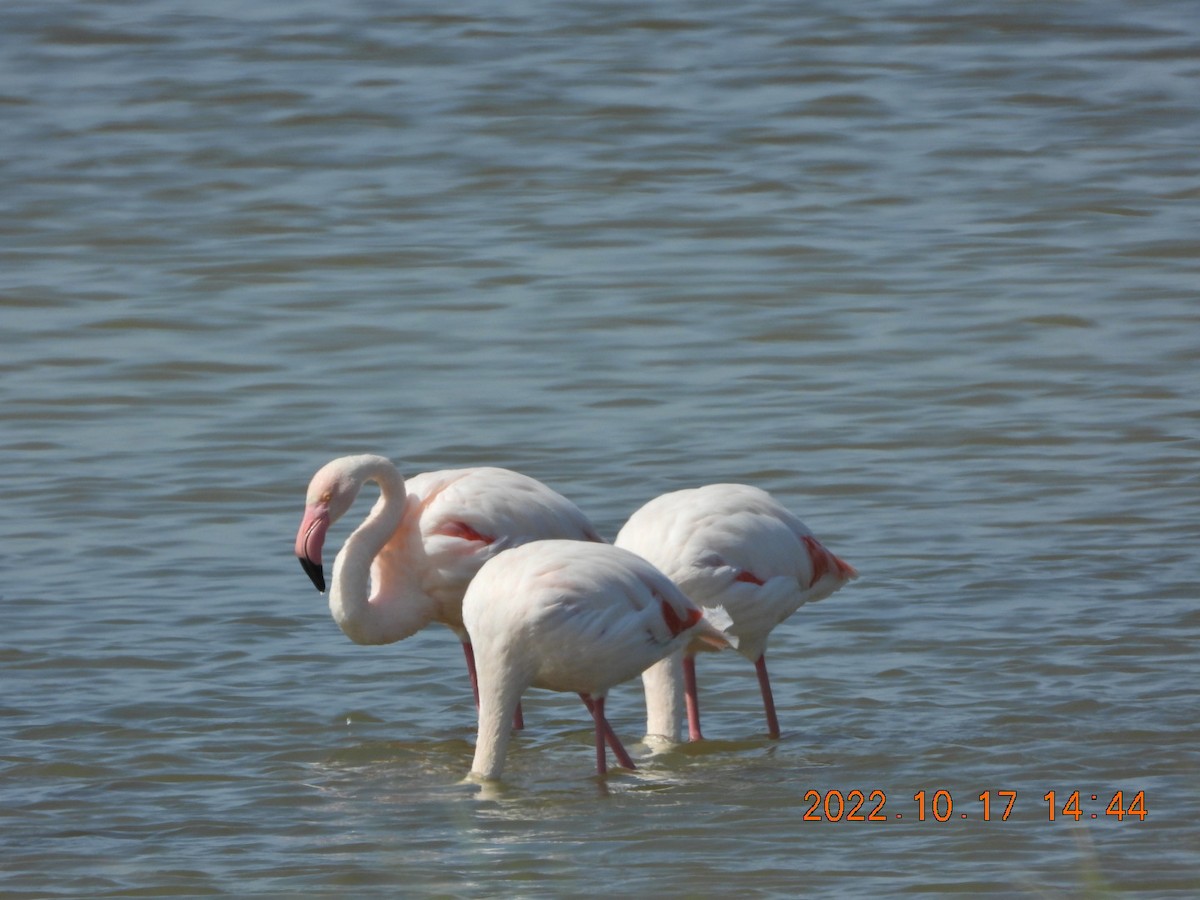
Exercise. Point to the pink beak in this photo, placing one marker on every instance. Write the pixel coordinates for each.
(309, 541)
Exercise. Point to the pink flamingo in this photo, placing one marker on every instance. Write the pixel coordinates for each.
(410, 561)
(570, 616)
(733, 546)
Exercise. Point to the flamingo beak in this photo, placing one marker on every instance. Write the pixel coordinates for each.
(309, 541)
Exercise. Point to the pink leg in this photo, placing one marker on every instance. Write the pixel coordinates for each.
(764, 684)
(691, 698)
(598, 718)
(469, 653)
(610, 736)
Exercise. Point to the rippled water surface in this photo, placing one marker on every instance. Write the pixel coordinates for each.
(926, 271)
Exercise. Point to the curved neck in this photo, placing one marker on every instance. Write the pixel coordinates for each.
(663, 686)
(380, 553)
(500, 689)
(491, 745)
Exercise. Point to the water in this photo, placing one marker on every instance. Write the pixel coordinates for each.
(927, 272)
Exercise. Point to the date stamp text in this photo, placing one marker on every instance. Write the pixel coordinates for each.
(856, 805)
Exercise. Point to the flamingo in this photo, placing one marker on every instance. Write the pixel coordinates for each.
(735, 546)
(410, 561)
(570, 616)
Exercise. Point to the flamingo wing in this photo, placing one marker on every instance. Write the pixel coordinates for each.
(468, 516)
(735, 546)
(583, 619)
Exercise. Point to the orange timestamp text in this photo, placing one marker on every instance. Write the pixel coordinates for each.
(870, 806)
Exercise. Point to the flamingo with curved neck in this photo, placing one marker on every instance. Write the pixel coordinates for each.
(576, 617)
(408, 564)
(731, 546)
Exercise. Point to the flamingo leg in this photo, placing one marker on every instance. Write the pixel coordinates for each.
(764, 684)
(469, 653)
(598, 718)
(691, 698)
(610, 736)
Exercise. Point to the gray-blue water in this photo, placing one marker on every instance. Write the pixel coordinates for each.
(926, 271)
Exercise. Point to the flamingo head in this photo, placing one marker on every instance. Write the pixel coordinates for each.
(330, 493)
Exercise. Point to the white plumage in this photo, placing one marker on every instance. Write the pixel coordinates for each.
(733, 546)
(409, 563)
(570, 616)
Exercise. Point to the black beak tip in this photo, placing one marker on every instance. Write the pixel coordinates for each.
(315, 572)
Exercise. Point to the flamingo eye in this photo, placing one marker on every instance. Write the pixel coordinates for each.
(327, 496)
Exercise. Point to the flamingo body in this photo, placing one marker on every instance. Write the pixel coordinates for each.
(733, 546)
(408, 564)
(569, 616)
